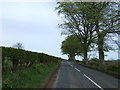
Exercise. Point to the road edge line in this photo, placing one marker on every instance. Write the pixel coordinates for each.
(93, 82)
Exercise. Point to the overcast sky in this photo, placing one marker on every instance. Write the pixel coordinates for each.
(35, 25)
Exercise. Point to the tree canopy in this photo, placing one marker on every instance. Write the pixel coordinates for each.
(18, 45)
(90, 22)
(72, 47)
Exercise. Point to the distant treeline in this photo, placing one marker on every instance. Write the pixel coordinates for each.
(23, 58)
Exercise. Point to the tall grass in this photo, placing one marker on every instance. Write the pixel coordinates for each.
(26, 69)
(32, 77)
(112, 67)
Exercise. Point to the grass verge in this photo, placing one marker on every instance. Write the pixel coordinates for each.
(32, 77)
(111, 67)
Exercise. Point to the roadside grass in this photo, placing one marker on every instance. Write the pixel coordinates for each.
(112, 67)
(31, 77)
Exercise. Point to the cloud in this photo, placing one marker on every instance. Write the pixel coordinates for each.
(27, 0)
(34, 25)
(29, 12)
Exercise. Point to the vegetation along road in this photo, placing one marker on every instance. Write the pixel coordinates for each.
(72, 75)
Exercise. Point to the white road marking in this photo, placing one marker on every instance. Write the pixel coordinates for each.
(71, 65)
(87, 77)
(77, 69)
(94, 82)
(74, 67)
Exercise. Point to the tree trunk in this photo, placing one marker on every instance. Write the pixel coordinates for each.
(85, 60)
(100, 43)
(71, 57)
(85, 47)
(100, 49)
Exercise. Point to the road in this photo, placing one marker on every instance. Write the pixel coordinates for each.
(72, 75)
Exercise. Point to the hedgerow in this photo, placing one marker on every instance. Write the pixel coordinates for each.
(22, 58)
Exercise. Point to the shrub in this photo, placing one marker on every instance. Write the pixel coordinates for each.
(20, 58)
(94, 62)
(39, 67)
(7, 83)
(113, 67)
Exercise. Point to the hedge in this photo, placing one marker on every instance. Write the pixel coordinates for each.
(24, 58)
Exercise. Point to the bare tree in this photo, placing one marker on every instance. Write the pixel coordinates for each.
(18, 45)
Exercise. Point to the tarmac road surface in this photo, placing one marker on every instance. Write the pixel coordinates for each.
(72, 75)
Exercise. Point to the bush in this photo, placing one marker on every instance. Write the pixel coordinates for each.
(20, 66)
(20, 58)
(31, 77)
(94, 62)
(113, 68)
(94, 59)
(39, 67)
(7, 83)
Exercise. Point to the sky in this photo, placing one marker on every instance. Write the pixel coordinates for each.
(35, 25)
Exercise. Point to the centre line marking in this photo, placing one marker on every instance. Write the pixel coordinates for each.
(68, 63)
(77, 69)
(74, 67)
(93, 82)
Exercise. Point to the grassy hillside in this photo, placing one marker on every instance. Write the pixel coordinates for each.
(26, 69)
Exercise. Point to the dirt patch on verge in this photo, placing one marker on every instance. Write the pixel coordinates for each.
(51, 80)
